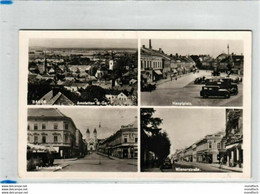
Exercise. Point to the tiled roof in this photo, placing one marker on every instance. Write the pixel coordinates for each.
(45, 112)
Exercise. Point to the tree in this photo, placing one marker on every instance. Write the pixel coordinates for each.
(160, 145)
(152, 139)
(93, 93)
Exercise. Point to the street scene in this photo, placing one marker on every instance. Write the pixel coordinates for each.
(211, 140)
(84, 140)
(82, 72)
(192, 73)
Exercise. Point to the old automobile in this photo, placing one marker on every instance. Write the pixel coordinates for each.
(213, 90)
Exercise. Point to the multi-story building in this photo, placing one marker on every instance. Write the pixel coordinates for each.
(51, 128)
(208, 150)
(122, 144)
(155, 64)
(151, 67)
(234, 138)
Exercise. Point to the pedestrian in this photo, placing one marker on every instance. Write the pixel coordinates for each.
(221, 162)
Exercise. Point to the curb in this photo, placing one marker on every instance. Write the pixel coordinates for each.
(61, 168)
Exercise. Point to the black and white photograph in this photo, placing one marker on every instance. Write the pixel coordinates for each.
(82, 140)
(192, 140)
(134, 104)
(77, 71)
(192, 72)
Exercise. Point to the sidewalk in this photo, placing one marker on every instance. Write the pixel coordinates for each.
(64, 160)
(129, 161)
(162, 81)
(235, 169)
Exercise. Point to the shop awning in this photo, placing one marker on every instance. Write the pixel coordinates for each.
(158, 72)
(233, 146)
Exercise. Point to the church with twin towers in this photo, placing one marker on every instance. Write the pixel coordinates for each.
(91, 140)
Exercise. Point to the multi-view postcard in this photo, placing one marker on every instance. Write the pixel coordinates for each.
(135, 105)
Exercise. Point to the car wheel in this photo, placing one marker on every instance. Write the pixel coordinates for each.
(227, 96)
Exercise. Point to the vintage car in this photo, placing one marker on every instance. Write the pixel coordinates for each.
(213, 90)
(148, 87)
(200, 80)
(166, 164)
(223, 83)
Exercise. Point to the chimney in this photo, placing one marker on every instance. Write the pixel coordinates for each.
(160, 50)
(150, 44)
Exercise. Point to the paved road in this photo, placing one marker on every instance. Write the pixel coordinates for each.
(184, 91)
(98, 163)
(201, 167)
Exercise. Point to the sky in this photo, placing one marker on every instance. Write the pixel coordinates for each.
(110, 119)
(196, 47)
(186, 126)
(84, 43)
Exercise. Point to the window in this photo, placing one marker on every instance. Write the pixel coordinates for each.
(43, 139)
(66, 138)
(125, 140)
(218, 145)
(28, 138)
(210, 145)
(28, 127)
(35, 126)
(43, 126)
(136, 140)
(35, 139)
(66, 126)
(55, 138)
(55, 126)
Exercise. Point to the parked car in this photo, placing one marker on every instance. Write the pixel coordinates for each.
(166, 164)
(223, 83)
(200, 80)
(148, 87)
(214, 91)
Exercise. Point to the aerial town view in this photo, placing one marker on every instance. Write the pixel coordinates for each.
(171, 143)
(82, 140)
(82, 72)
(192, 72)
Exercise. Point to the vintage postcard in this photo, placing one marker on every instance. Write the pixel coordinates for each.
(135, 105)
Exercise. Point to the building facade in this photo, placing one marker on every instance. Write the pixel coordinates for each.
(51, 128)
(91, 141)
(208, 150)
(122, 144)
(234, 138)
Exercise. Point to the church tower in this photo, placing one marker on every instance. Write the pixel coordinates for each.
(111, 64)
(95, 138)
(88, 135)
(45, 66)
(95, 135)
